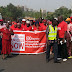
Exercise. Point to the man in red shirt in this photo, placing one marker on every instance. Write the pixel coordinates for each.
(28, 27)
(62, 29)
(23, 23)
(19, 27)
(14, 26)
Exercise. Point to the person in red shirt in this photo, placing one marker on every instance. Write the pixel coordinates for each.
(14, 26)
(6, 40)
(23, 23)
(28, 27)
(1, 26)
(71, 20)
(68, 37)
(44, 26)
(62, 29)
(32, 23)
(19, 27)
(37, 28)
(40, 22)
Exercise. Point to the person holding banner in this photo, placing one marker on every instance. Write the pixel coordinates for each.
(19, 27)
(1, 26)
(23, 23)
(37, 27)
(14, 26)
(32, 23)
(6, 40)
(44, 26)
(28, 27)
(51, 36)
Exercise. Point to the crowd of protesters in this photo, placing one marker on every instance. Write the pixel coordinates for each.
(58, 35)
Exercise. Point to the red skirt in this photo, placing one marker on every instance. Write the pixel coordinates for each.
(6, 47)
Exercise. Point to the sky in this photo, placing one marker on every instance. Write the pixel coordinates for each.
(48, 5)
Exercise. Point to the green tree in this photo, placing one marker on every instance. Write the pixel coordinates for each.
(63, 11)
(50, 15)
(11, 12)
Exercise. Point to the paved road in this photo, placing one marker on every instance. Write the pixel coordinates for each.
(33, 63)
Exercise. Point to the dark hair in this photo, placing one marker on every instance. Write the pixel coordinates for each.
(53, 20)
(36, 23)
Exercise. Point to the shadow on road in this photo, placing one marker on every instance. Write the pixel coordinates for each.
(12, 56)
(2, 70)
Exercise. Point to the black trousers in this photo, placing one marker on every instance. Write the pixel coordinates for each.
(55, 50)
(62, 50)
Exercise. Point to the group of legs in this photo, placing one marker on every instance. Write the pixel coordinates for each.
(59, 50)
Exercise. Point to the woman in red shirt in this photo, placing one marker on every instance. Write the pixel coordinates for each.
(37, 28)
(44, 26)
(6, 40)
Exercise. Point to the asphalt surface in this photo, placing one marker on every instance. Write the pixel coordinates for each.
(33, 63)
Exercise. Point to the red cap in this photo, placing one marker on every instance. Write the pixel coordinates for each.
(1, 20)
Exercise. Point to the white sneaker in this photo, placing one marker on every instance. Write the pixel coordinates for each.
(59, 58)
(64, 60)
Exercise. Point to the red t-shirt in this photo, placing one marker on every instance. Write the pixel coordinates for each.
(12, 27)
(41, 24)
(28, 28)
(23, 25)
(33, 26)
(20, 29)
(44, 27)
(62, 27)
(39, 29)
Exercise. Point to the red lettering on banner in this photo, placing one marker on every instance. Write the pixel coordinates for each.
(16, 45)
(22, 45)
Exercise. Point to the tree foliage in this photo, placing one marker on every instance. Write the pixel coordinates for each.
(12, 12)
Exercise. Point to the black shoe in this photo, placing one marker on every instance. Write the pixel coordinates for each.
(57, 62)
(9, 56)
